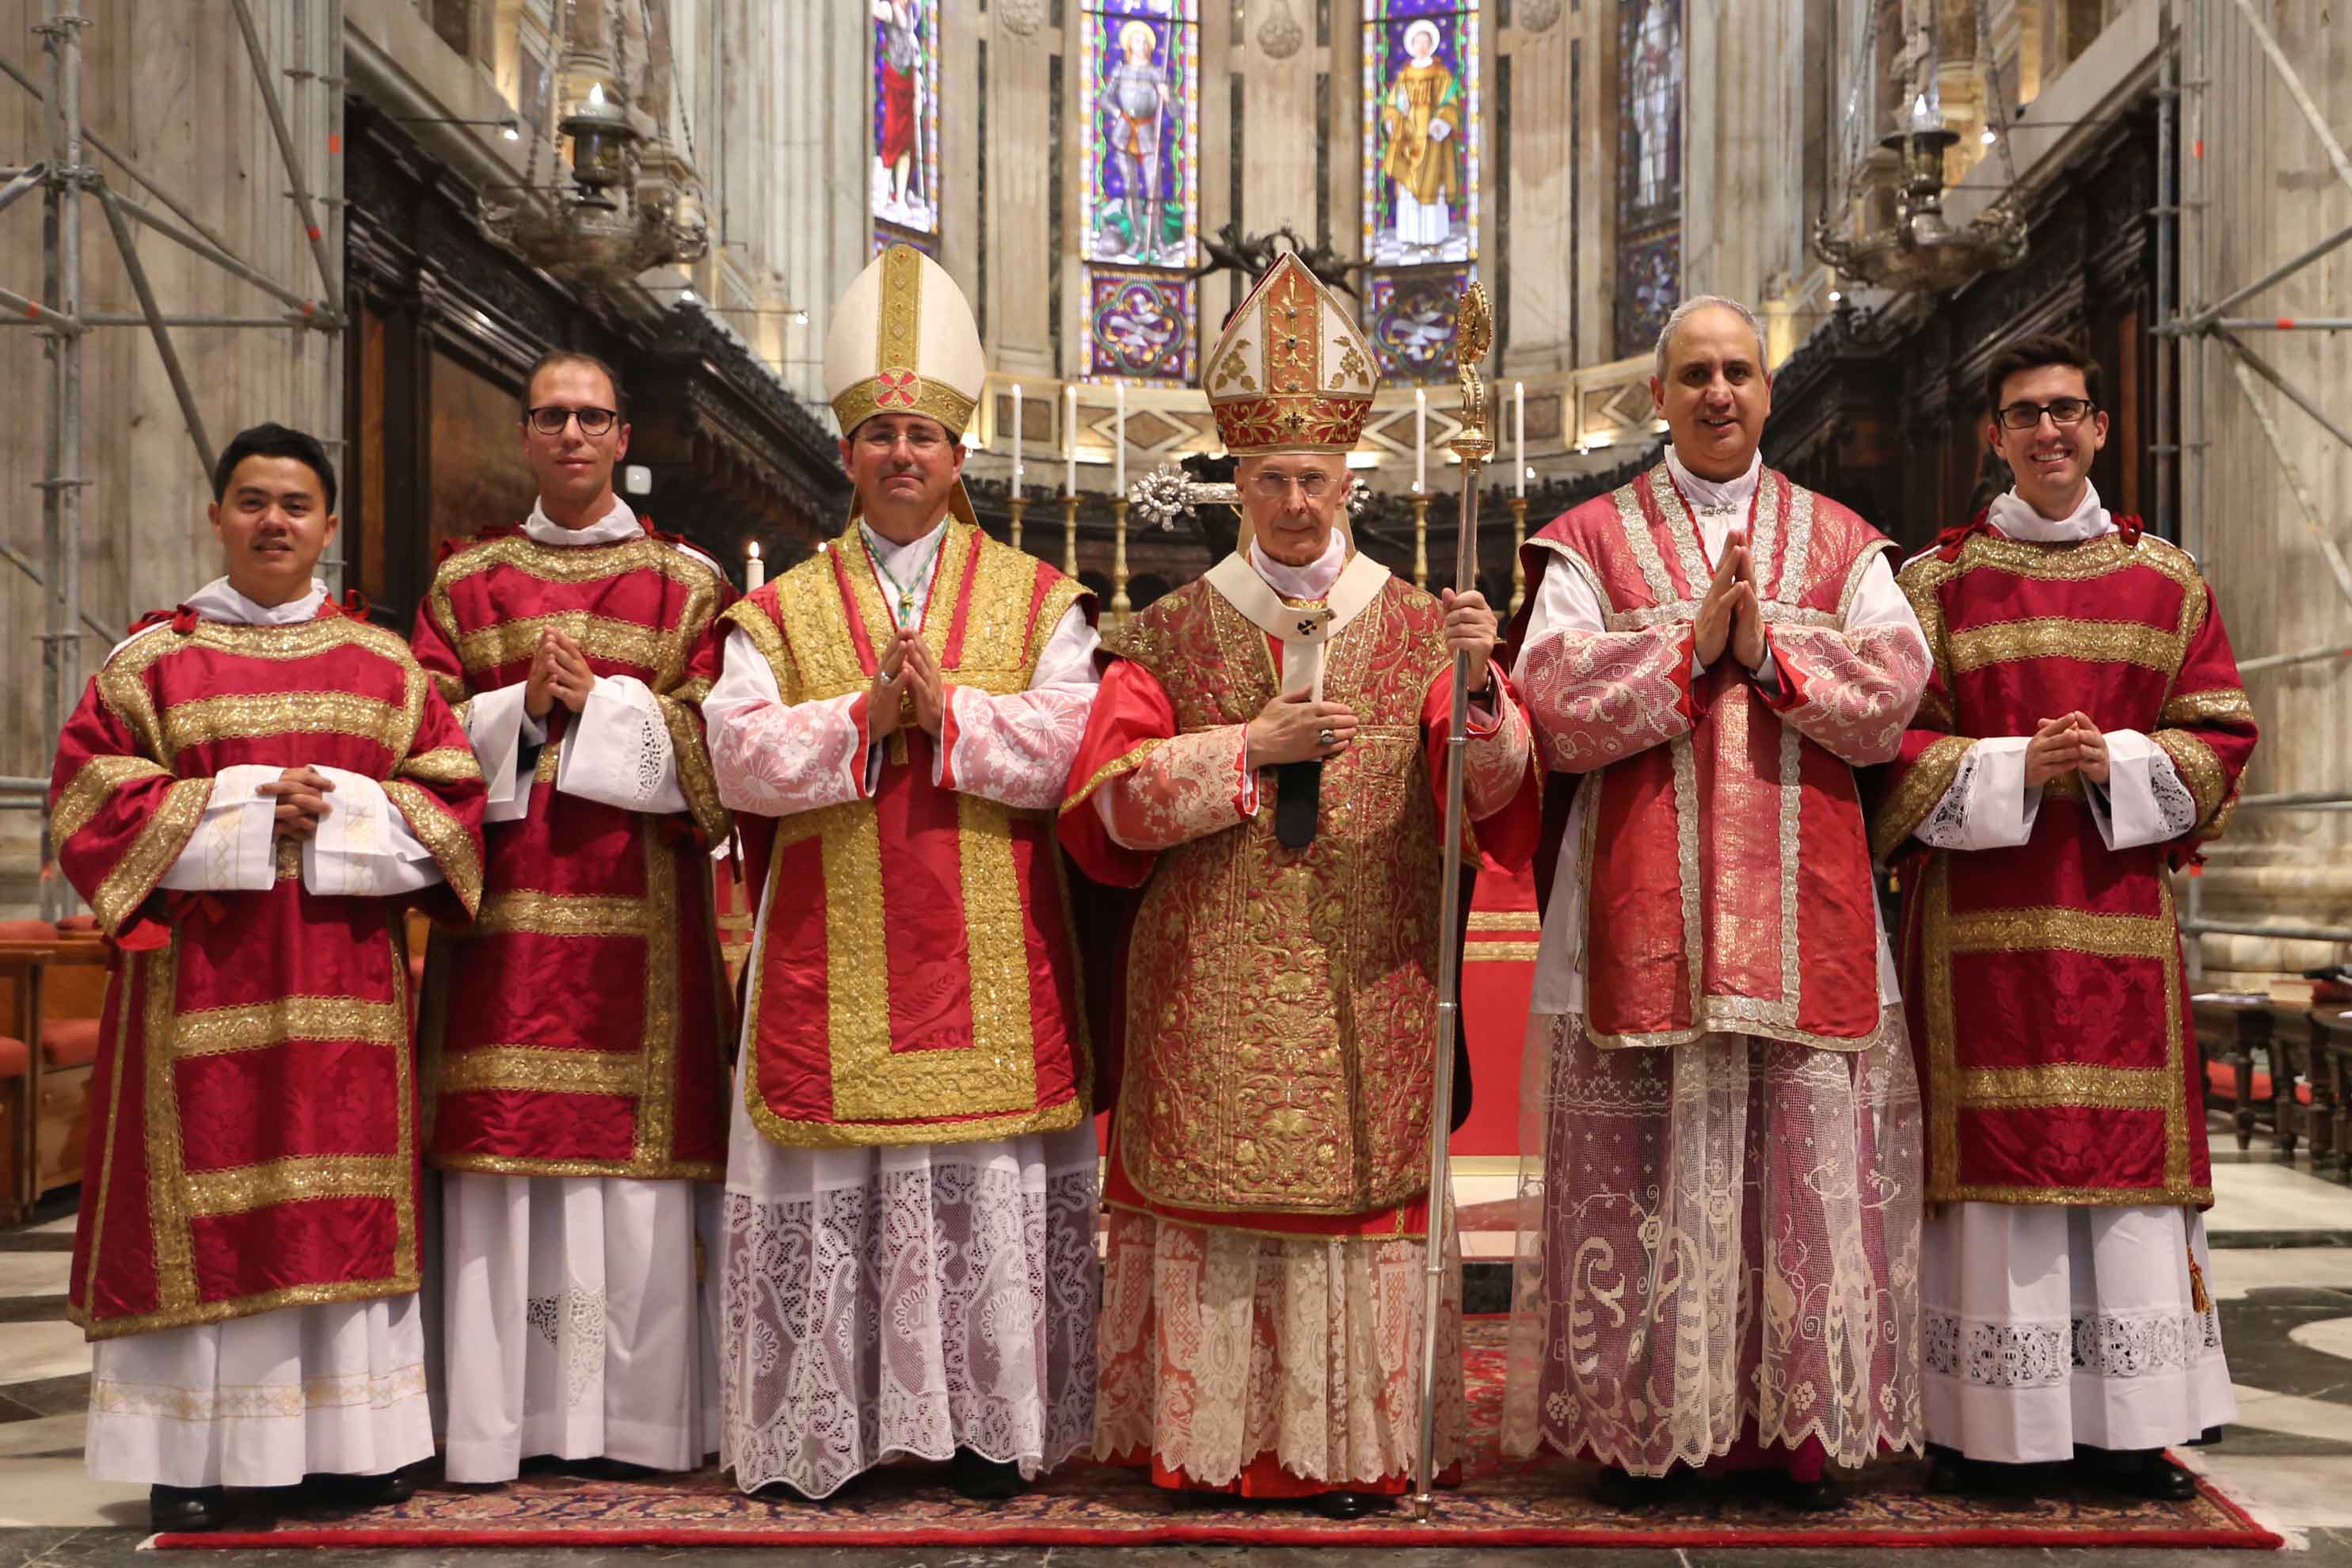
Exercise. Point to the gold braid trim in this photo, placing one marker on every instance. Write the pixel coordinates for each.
(152, 853)
(442, 766)
(99, 777)
(1907, 805)
(220, 1031)
(2222, 705)
(695, 779)
(452, 847)
(2060, 637)
(2076, 930)
(2198, 768)
(600, 636)
(1125, 763)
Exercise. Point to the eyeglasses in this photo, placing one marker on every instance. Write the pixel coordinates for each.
(1275, 486)
(2061, 411)
(548, 419)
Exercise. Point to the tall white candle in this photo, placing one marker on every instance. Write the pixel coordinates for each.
(1016, 439)
(1070, 441)
(1420, 441)
(755, 571)
(1518, 420)
(1119, 441)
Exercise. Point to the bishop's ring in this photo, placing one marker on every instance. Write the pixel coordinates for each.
(1325, 738)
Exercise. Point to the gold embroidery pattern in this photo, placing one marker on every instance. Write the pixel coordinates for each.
(933, 399)
(2058, 636)
(1790, 585)
(657, 1100)
(2083, 562)
(98, 778)
(212, 719)
(1642, 546)
(296, 1179)
(152, 853)
(446, 765)
(219, 1031)
(167, 1197)
(1500, 952)
(1117, 767)
(506, 643)
(1683, 528)
(2223, 705)
(2067, 1083)
(1505, 920)
(583, 563)
(1792, 805)
(452, 847)
(694, 779)
(530, 1069)
(2108, 936)
(1907, 805)
(558, 914)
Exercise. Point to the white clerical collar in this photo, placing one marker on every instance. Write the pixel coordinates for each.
(615, 526)
(2015, 517)
(1312, 581)
(1714, 495)
(217, 601)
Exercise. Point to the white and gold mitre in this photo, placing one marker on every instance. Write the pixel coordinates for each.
(1290, 373)
(904, 342)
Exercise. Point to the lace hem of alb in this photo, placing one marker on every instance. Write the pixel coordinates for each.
(263, 1401)
(2108, 1345)
(935, 1308)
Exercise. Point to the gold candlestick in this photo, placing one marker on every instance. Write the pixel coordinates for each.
(1069, 536)
(1421, 542)
(1120, 604)
(1518, 538)
(1020, 507)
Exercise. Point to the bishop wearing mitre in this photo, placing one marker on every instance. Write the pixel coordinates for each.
(1265, 763)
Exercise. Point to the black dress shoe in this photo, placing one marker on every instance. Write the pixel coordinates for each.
(983, 1479)
(1345, 1505)
(2138, 1472)
(187, 1508)
(601, 1468)
(1948, 1472)
(362, 1491)
(1805, 1497)
(1622, 1490)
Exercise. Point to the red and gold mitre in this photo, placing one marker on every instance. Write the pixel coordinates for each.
(1291, 371)
(904, 342)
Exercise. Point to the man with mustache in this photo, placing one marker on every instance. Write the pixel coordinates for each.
(2083, 733)
(909, 1257)
(253, 791)
(1730, 1168)
(575, 1037)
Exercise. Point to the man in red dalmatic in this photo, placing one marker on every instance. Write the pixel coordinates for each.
(909, 1258)
(2081, 738)
(252, 793)
(1267, 764)
(575, 1037)
(1730, 1229)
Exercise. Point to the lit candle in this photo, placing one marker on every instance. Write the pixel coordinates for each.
(1519, 422)
(1070, 442)
(1119, 441)
(1420, 441)
(755, 571)
(1016, 440)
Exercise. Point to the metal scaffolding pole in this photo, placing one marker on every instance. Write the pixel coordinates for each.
(61, 490)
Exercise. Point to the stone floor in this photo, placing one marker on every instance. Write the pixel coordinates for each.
(2282, 1274)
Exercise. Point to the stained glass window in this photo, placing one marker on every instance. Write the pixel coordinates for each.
(1649, 170)
(906, 128)
(1422, 177)
(1140, 205)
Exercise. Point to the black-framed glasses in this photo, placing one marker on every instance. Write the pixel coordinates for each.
(548, 419)
(2062, 411)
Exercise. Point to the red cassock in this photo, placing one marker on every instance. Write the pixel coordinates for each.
(1727, 871)
(2048, 1009)
(253, 1137)
(578, 1028)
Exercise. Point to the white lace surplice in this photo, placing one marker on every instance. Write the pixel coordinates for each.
(916, 1299)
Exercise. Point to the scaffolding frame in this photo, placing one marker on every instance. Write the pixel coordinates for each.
(2185, 337)
(64, 176)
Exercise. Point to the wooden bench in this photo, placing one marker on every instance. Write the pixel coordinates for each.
(2235, 1031)
(55, 990)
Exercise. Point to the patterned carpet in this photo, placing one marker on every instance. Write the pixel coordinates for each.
(1500, 1502)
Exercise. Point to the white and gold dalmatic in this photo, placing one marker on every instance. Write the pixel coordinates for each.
(1268, 1176)
(908, 1250)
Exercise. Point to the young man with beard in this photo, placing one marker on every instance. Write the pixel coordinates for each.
(253, 790)
(2082, 736)
(574, 1036)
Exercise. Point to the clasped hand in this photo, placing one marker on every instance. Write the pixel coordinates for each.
(558, 673)
(1730, 613)
(908, 668)
(2069, 743)
(302, 795)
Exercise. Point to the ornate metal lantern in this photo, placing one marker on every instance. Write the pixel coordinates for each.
(1921, 250)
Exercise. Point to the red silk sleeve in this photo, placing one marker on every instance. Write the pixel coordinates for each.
(1131, 718)
(1598, 698)
(2208, 727)
(439, 792)
(434, 642)
(119, 818)
(1850, 692)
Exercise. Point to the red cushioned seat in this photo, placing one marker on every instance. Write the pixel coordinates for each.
(28, 931)
(13, 1057)
(69, 1042)
(2222, 1078)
